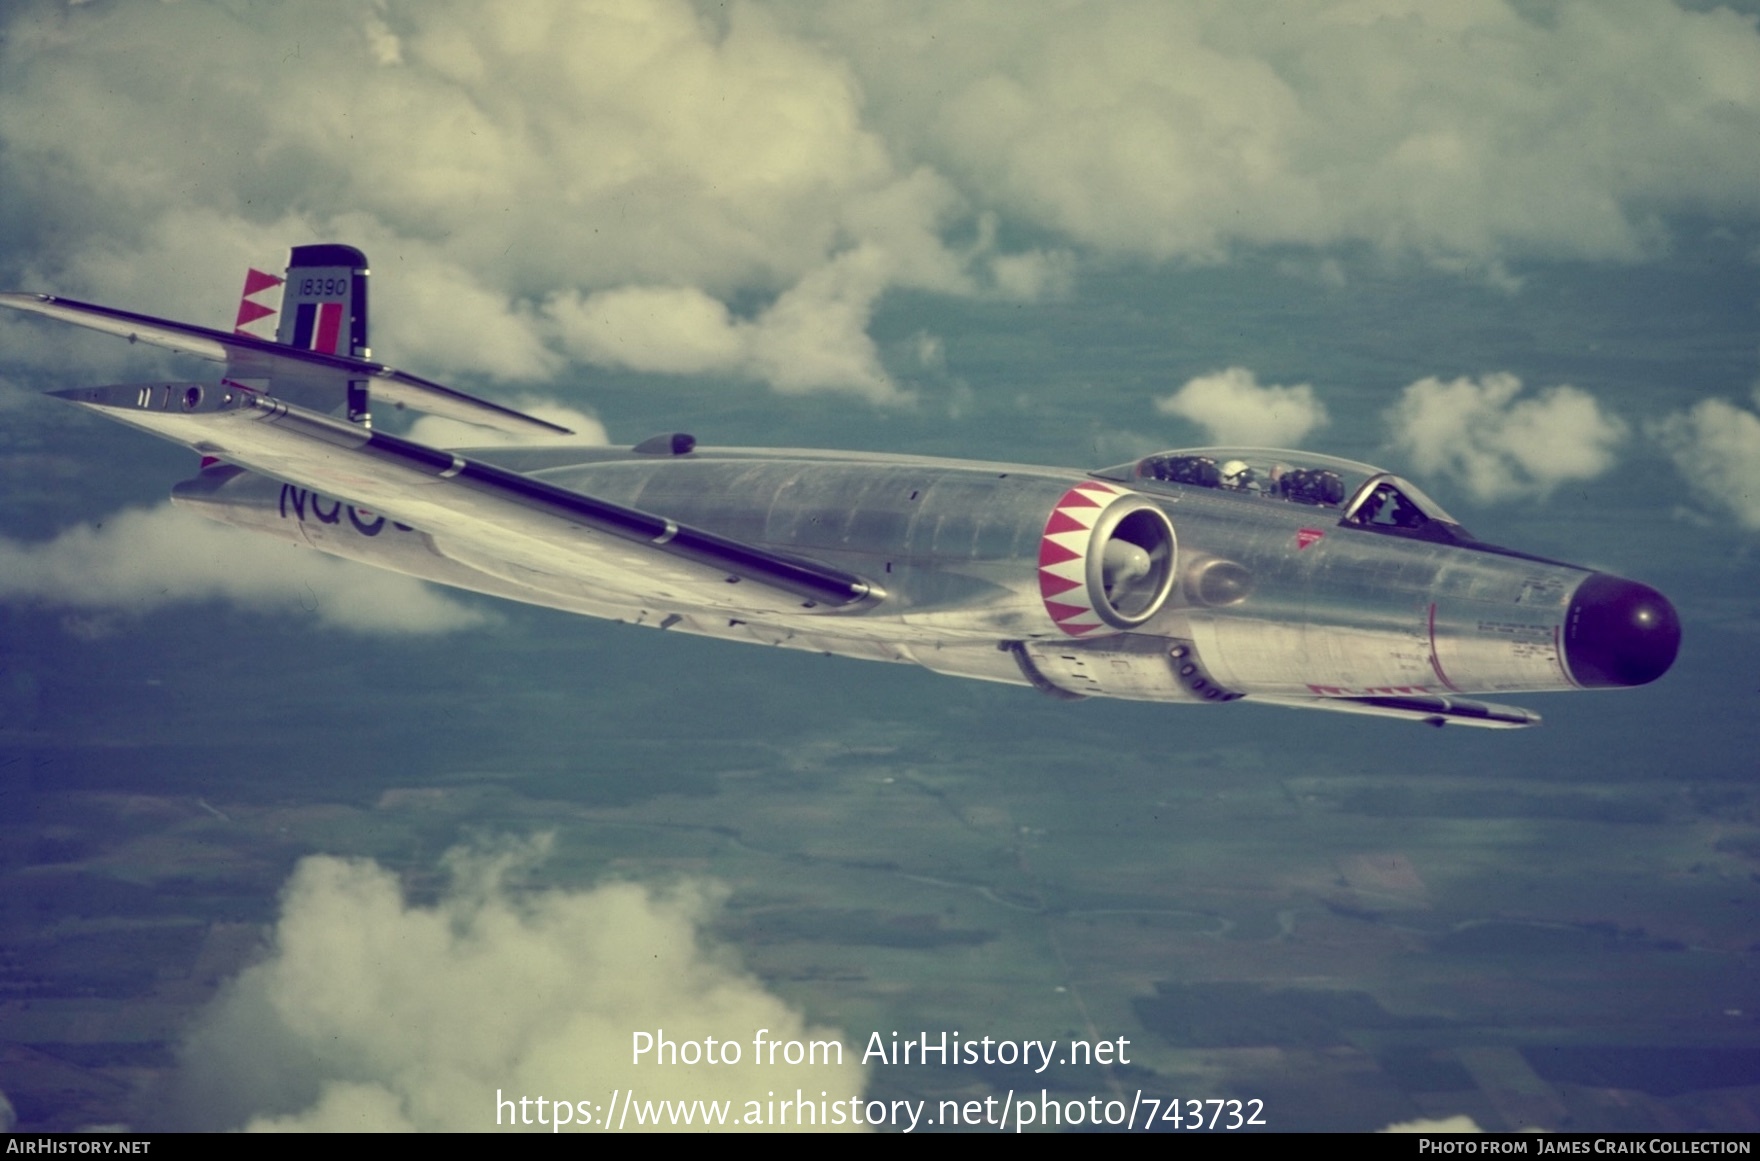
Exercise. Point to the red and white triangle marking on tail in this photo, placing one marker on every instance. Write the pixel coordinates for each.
(1063, 557)
(251, 310)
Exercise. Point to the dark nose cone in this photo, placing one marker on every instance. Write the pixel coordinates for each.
(1618, 632)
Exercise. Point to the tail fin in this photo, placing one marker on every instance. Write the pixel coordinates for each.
(324, 309)
(319, 360)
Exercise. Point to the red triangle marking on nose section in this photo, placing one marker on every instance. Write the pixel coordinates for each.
(1051, 552)
(1062, 612)
(1076, 498)
(1078, 630)
(1062, 521)
(1097, 486)
(255, 280)
(1050, 584)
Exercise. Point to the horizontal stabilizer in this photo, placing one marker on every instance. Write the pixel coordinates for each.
(1432, 711)
(248, 357)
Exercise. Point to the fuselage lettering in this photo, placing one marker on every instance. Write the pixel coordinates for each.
(295, 502)
(298, 496)
(331, 517)
(365, 523)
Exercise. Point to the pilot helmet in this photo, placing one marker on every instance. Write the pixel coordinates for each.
(1235, 473)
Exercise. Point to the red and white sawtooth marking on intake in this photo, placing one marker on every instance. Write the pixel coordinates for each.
(1063, 556)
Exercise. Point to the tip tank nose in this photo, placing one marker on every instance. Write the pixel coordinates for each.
(1618, 632)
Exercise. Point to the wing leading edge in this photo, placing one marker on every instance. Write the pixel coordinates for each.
(504, 522)
(248, 357)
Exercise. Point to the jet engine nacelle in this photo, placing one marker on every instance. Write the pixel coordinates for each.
(1107, 560)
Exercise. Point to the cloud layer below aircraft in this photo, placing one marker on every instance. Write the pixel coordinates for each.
(143, 558)
(372, 1012)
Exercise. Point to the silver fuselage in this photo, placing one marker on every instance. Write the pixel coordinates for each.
(1272, 598)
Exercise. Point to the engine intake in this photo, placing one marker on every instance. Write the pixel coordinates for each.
(1106, 560)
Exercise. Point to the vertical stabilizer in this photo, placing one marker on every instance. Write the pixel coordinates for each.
(324, 309)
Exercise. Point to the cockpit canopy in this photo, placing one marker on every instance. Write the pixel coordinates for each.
(1362, 496)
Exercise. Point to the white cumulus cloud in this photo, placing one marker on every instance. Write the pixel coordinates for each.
(1716, 447)
(1498, 444)
(1234, 408)
(373, 1012)
(142, 558)
(708, 189)
(1463, 133)
(813, 337)
(493, 161)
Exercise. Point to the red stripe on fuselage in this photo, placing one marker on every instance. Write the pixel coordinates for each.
(1435, 661)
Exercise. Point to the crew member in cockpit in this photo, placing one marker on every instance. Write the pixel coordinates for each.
(1239, 475)
(1274, 484)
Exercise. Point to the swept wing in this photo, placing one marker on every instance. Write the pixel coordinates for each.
(511, 524)
(248, 357)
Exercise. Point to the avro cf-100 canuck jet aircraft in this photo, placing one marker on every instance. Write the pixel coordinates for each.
(1206, 575)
